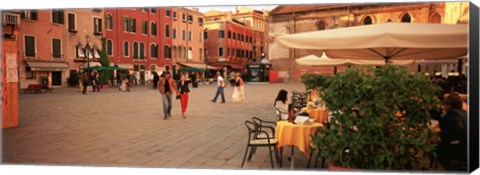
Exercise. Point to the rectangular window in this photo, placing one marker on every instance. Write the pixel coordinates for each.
(200, 20)
(221, 34)
(183, 35)
(167, 13)
(57, 16)
(144, 27)
(29, 46)
(220, 52)
(125, 24)
(174, 15)
(132, 25)
(235, 38)
(174, 34)
(136, 68)
(239, 37)
(97, 26)
(184, 17)
(228, 52)
(57, 48)
(189, 35)
(153, 10)
(71, 23)
(190, 18)
(200, 37)
(205, 35)
(229, 34)
(29, 14)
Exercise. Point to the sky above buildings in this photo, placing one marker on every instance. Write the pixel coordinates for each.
(205, 9)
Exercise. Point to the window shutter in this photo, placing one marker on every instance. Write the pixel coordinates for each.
(30, 46)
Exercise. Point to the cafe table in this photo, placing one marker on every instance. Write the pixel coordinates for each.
(318, 114)
(290, 134)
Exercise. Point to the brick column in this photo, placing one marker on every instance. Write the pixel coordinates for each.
(9, 89)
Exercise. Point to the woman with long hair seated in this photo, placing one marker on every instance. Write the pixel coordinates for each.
(281, 104)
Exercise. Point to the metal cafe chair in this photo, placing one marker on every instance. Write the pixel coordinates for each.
(262, 125)
(253, 142)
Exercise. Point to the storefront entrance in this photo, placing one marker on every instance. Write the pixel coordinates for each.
(56, 78)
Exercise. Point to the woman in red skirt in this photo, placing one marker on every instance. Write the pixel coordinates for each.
(183, 89)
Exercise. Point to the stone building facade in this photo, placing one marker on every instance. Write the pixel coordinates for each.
(290, 19)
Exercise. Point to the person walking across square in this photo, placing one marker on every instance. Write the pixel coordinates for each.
(166, 86)
(183, 88)
(221, 85)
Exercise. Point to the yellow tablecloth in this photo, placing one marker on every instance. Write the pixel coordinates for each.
(317, 114)
(289, 134)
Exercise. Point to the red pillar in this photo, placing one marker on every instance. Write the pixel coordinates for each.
(9, 89)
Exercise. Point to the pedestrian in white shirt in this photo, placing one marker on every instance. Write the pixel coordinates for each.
(221, 85)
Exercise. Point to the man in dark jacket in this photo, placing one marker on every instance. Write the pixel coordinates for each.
(453, 135)
(155, 79)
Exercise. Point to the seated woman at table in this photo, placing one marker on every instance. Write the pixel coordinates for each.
(453, 131)
(281, 105)
(313, 96)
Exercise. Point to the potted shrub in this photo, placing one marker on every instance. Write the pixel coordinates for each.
(380, 118)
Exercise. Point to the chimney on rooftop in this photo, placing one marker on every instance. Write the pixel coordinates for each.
(195, 9)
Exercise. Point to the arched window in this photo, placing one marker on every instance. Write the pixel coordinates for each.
(174, 33)
(190, 53)
(135, 50)
(367, 20)
(126, 49)
(153, 51)
(436, 18)
(406, 18)
(142, 51)
(185, 53)
(167, 51)
(109, 22)
(174, 52)
(179, 52)
(167, 30)
(321, 25)
(109, 47)
(153, 29)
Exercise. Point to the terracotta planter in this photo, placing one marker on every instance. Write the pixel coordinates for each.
(331, 166)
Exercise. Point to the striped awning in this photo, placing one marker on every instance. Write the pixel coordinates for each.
(47, 66)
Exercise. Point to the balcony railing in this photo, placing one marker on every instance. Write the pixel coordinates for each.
(10, 18)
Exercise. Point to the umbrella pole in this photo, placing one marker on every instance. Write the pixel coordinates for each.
(387, 60)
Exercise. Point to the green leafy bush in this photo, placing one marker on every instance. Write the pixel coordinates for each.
(365, 130)
(311, 80)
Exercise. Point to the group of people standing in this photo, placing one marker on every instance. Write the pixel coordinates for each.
(93, 80)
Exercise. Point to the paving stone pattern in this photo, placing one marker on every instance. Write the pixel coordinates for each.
(112, 128)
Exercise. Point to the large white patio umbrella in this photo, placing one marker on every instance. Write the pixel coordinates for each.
(397, 41)
(312, 60)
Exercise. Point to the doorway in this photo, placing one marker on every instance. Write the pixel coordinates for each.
(56, 78)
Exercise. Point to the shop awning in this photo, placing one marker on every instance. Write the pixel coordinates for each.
(47, 66)
(124, 65)
(199, 66)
